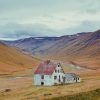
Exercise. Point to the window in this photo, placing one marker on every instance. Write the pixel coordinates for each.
(78, 78)
(59, 78)
(42, 77)
(61, 70)
(55, 71)
(62, 77)
(55, 77)
(58, 71)
(42, 83)
(74, 78)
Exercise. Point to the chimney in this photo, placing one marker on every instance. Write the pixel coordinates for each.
(47, 62)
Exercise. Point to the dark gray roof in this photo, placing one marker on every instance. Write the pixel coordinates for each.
(72, 75)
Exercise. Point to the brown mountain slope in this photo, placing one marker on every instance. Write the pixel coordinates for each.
(12, 60)
(83, 49)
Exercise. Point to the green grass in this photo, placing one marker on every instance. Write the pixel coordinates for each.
(91, 95)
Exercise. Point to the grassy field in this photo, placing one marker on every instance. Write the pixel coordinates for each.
(90, 95)
(13, 87)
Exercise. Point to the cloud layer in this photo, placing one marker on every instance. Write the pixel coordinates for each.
(25, 18)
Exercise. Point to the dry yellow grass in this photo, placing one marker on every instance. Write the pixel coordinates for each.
(23, 88)
(18, 64)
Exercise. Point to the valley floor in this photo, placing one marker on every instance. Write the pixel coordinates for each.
(22, 88)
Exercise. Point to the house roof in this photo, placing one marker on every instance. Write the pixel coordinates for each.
(46, 68)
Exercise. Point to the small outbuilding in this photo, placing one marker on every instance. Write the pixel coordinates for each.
(72, 78)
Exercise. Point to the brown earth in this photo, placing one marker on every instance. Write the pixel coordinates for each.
(12, 60)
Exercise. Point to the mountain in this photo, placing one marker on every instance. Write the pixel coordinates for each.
(33, 45)
(12, 59)
(82, 48)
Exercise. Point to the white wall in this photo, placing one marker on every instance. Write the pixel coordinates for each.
(47, 80)
(60, 73)
(37, 78)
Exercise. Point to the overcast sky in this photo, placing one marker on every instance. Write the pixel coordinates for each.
(26, 18)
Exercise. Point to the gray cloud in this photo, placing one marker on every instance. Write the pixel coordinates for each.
(86, 26)
(25, 18)
(17, 31)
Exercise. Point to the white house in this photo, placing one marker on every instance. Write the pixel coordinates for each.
(49, 73)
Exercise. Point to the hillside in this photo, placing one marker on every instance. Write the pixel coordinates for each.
(81, 48)
(12, 60)
(33, 45)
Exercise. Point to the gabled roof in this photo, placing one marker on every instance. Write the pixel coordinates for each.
(46, 68)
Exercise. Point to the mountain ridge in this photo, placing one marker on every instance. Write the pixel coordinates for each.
(81, 48)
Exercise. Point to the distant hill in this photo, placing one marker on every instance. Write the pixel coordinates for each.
(12, 60)
(33, 45)
(81, 48)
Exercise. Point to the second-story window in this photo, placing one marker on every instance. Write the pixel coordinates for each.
(55, 71)
(62, 71)
(42, 77)
(58, 65)
(58, 71)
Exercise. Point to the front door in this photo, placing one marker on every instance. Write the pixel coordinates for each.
(59, 79)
